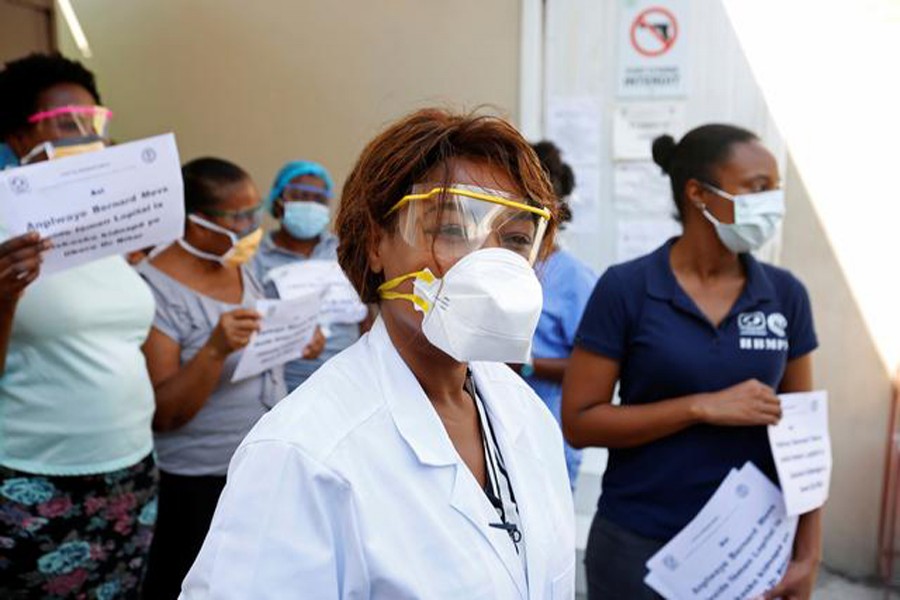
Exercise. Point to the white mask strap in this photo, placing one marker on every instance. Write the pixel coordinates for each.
(718, 192)
(213, 227)
(200, 253)
(43, 147)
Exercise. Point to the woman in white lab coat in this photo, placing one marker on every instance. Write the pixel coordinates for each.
(415, 464)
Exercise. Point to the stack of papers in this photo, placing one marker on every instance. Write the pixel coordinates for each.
(738, 545)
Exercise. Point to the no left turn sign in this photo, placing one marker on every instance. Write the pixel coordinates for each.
(654, 31)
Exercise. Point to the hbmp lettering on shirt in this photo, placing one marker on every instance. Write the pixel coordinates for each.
(763, 332)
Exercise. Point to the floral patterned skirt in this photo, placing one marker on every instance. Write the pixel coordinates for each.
(76, 537)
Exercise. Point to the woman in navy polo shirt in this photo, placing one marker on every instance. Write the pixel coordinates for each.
(700, 337)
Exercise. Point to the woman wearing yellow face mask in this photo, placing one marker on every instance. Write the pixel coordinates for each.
(205, 295)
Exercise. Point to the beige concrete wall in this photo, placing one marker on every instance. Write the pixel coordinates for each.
(263, 82)
(848, 366)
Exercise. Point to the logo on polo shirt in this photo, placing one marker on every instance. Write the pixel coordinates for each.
(777, 323)
(752, 323)
(760, 331)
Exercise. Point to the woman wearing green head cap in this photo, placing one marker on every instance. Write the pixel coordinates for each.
(299, 199)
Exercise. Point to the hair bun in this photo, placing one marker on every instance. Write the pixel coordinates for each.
(663, 150)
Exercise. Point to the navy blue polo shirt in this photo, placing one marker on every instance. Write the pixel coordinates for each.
(639, 315)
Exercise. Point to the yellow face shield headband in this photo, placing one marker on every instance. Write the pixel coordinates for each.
(467, 192)
(457, 220)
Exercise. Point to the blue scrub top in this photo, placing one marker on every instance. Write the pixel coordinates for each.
(666, 348)
(8, 158)
(567, 284)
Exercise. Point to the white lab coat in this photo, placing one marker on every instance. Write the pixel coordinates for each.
(351, 488)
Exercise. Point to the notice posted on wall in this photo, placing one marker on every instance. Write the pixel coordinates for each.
(119, 199)
(637, 124)
(573, 124)
(637, 237)
(652, 57)
(641, 190)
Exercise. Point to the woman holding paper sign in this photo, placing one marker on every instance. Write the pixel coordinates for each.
(700, 337)
(299, 199)
(77, 478)
(415, 464)
(205, 294)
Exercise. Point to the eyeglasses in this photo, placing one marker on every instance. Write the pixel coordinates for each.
(238, 220)
(301, 192)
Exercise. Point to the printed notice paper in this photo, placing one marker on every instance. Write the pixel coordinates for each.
(340, 304)
(641, 190)
(637, 124)
(287, 327)
(637, 237)
(574, 124)
(98, 204)
(738, 545)
(801, 447)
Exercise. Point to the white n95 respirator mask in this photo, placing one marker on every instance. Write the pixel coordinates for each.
(485, 308)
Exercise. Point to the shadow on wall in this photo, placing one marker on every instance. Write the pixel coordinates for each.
(848, 365)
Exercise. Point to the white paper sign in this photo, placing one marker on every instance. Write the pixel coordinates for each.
(652, 52)
(286, 329)
(801, 447)
(738, 545)
(113, 201)
(340, 303)
(637, 124)
(573, 124)
(584, 201)
(637, 237)
(640, 189)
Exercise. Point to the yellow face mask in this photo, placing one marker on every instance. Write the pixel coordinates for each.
(244, 248)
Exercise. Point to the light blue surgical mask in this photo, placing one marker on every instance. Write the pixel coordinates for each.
(756, 218)
(305, 220)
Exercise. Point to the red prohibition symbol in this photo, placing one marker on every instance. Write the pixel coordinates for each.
(662, 28)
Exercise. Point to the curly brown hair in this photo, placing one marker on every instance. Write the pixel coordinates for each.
(407, 151)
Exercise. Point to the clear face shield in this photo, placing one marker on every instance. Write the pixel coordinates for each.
(457, 220)
(72, 121)
(69, 130)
